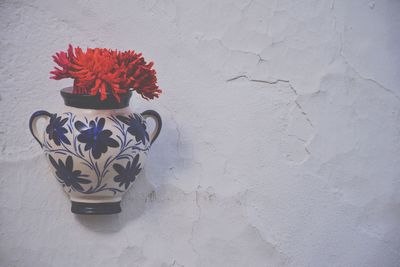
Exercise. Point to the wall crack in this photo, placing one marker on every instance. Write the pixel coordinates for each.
(277, 81)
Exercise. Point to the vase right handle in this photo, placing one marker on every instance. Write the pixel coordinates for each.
(157, 119)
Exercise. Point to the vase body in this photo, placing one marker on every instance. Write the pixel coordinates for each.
(95, 153)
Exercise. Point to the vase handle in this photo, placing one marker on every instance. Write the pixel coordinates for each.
(157, 118)
(32, 123)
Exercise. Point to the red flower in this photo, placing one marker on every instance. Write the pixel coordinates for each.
(104, 71)
(64, 61)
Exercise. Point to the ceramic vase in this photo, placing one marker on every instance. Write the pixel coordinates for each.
(95, 149)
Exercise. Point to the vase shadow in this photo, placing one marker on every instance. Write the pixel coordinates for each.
(133, 205)
(138, 199)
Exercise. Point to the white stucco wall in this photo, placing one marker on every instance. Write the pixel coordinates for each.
(281, 138)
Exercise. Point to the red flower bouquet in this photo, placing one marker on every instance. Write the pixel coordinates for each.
(106, 72)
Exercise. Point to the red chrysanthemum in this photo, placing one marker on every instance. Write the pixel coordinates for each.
(106, 72)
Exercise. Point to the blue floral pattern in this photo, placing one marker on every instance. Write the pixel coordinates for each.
(56, 130)
(136, 127)
(93, 136)
(66, 174)
(96, 139)
(127, 174)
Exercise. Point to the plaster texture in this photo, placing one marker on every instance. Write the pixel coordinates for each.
(281, 138)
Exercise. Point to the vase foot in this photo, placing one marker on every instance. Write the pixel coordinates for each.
(95, 208)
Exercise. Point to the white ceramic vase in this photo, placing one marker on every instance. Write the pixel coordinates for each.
(95, 149)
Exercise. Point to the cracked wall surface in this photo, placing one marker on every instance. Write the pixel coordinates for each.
(280, 143)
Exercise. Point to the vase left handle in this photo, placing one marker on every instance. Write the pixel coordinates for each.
(32, 123)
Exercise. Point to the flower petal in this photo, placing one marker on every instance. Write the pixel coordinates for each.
(83, 181)
(64, 139)
(69, 163)
(80, 126)
(123, 119)
(112, 143)
(135, 160)
(100, 124)
(96, 151)
(53, 162)
(118, 168)
(77, 187)
(63, 121)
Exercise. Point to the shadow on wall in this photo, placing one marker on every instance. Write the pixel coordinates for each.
(163, 157)
(134, 204)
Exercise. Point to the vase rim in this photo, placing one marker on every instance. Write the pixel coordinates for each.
(86, 101)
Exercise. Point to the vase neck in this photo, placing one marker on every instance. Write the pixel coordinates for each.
(85, 101)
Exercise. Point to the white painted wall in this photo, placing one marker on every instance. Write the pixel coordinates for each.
(281, 139)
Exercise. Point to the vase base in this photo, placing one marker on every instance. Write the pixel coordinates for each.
(95, 208)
